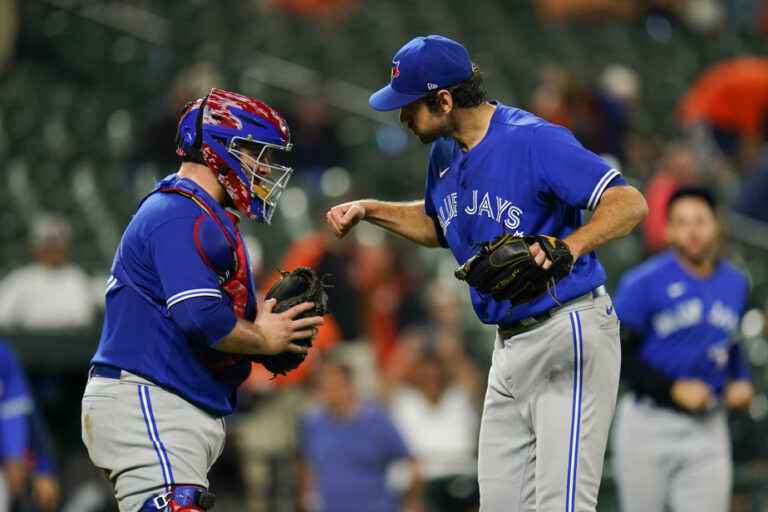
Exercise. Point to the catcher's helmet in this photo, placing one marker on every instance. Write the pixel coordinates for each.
(234, 136)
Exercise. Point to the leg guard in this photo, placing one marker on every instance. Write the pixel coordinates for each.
(181, 498)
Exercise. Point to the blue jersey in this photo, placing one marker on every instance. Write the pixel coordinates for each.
(165, 307)
(527, 176)
(15, 407)
(688, 324)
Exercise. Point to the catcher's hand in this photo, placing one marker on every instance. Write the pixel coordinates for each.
(506, 269)
(296, 287)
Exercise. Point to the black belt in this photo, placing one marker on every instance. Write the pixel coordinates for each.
(524, 324)
(104, 370)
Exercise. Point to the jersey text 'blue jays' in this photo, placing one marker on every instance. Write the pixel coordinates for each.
(689, 324)
(527, 176)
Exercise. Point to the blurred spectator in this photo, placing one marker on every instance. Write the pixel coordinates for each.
(751, 200)
(598, 115)
(390, 300)
(562, 10)
(328, 11)
(436, 409)
(157, 146)
(699, 15)
(730, 99)
(676, 167)
(26, 452)
(314, 131)
(347, 447)
(51, 292)
(434, 392)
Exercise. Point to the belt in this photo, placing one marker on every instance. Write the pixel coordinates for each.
(524, 324)
(104, 370)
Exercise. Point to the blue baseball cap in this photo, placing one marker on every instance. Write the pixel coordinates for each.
(423, 65)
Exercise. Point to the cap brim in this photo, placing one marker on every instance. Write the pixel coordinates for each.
(387, 98)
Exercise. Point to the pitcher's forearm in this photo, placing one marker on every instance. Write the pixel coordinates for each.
(619, 211)
(407, 219)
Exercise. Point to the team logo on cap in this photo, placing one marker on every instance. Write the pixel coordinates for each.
(395, 70)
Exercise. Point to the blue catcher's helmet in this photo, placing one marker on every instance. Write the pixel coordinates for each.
(236, 137)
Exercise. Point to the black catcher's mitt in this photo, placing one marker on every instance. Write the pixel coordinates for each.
(505, 268)
(300, 285)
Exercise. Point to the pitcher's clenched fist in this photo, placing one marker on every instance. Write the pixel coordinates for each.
(344, 217)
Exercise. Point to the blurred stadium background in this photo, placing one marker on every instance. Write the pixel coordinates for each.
(90, 91)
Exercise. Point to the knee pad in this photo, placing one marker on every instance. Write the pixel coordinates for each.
(181, 498)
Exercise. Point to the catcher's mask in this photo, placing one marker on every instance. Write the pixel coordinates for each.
(238, 138)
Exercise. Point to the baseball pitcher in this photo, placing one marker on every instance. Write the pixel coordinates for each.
(182, 325)
(505, 192)
(680, 314)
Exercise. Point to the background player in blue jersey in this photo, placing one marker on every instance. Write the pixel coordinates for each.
(22, 435)
(680, 314)
(181, 316)
(494, 169)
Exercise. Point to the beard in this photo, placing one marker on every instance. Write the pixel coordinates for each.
(427, 139)
(432, 136)
(441, 130)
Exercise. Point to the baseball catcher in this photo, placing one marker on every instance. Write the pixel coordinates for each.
(182, 321)
(506, 269)
(296, 287)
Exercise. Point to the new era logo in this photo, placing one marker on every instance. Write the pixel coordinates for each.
(431, 86)
(395, 70)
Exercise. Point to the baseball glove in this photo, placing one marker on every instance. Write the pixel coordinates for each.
(505, 268)
(295, 287)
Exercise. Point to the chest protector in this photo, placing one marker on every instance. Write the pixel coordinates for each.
(235, 281)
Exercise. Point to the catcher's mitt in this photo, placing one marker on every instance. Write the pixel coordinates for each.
(295, 287)
(505, 268)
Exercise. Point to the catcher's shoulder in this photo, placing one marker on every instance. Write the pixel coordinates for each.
(163, 205)
(211, 241)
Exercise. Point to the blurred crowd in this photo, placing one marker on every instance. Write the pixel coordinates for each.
(386, 408)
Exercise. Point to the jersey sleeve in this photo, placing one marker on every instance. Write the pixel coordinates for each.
(190, 286)
(15, 406)
(429, 206)
(41, 445)
(737, 369)
(631, 303)
(568, 170)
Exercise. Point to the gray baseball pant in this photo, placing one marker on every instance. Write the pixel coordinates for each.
(146, 438)
(548, 408)
(670, 460)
